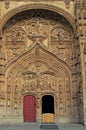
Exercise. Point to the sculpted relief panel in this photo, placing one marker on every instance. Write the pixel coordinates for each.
(37, 28)
(15, 35)
(50, 33)
(39, 79)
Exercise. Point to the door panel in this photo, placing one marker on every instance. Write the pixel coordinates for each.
(29, 108)
(48, 118)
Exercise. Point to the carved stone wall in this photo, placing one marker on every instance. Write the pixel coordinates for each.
(40, 56)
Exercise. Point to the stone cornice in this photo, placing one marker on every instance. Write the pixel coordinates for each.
(7, 2)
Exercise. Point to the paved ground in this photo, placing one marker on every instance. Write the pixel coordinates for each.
(33, 126)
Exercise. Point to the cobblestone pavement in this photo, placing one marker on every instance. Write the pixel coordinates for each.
(34, 126)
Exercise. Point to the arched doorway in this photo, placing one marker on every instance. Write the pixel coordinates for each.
(47, 108)
(29, 108)
(39, 75)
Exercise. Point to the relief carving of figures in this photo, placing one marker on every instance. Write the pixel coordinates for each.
(29, 88)
(47, 82)
(48, 32)
(13, 50)
(59, 33)
(36, 28)
(15, 34)
(55, 34)
(38, 81)
(29, 81)
(15, 41)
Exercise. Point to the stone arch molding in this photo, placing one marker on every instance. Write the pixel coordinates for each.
(34, 66)
(58, 10)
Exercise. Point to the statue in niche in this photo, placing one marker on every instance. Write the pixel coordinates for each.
(55, 34)
(43, 84)
(62, 34)
(60, 87)
(38, 101)
(9, 89)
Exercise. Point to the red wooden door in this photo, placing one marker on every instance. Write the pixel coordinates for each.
(29, 108)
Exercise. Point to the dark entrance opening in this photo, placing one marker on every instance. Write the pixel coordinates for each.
(47, 104)
(48, 113)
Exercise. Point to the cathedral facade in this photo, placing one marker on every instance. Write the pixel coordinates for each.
(42, 61)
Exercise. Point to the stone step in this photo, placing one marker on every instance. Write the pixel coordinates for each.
(20, 125)
(49, 126)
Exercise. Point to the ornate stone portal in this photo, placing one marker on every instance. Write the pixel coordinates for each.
(39, 50)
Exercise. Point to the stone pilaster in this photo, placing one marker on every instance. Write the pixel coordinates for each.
(81, 34)
(2, 82)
